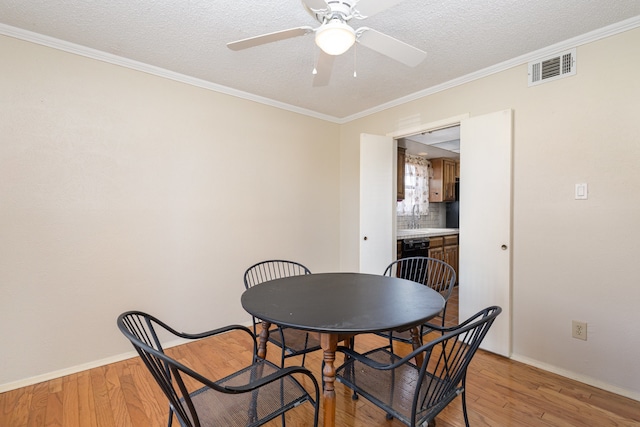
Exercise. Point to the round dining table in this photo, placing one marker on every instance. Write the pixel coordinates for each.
(338, 306)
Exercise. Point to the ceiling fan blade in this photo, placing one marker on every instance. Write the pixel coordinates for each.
(323, 68)
(393, 48)
(269, 38)
(371, 7)
(315, 4)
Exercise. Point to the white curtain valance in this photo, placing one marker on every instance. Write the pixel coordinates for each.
(416, 160)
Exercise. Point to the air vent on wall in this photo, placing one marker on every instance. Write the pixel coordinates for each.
(552, 68)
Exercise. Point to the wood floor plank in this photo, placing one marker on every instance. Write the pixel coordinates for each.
(623, 406)
(86, 405)
(38, 406)
(582, 413)
(102, 404)
(156, 410)
(55, 385)
(70, 403)
(15, 407)
(132, 398)
(54, 409)
(117, 400)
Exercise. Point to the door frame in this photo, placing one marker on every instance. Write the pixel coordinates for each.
(426, 127)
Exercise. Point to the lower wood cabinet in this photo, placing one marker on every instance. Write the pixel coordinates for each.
(436, 248)
(445, 248)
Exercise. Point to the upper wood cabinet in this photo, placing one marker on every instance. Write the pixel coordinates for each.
(401, 158)
(442, 185)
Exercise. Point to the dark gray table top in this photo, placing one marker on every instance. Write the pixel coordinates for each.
(343, 302)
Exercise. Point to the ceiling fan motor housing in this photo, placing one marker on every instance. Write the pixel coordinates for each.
(336, 10)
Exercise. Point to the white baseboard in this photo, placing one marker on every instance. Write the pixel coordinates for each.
(78, 368)
(578, 377)
(86, 366)
(67, 371)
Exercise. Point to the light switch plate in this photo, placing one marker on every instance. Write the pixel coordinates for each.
(582, 191)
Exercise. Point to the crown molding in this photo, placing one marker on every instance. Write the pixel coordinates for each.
(590, 37)
(599, 34)
(99, 55)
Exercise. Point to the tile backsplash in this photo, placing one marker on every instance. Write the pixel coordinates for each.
(436, 218)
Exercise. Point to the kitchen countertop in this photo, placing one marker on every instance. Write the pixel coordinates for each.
(425, 232)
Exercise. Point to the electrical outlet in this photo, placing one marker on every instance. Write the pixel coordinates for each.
(579, 330)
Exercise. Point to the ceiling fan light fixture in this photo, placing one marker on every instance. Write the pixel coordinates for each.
(335, 37)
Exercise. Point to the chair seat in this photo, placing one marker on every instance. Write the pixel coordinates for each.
(248, 409)
(391, 390)
(295, 340)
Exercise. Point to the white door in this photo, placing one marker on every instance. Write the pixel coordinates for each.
(485, 222)
(377, 202)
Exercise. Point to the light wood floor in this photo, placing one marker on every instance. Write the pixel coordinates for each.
(500, 393)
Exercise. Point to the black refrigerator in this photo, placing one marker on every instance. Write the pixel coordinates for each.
(453, 209)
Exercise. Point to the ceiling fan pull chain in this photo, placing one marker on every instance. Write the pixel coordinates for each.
(355, 60)
(315, 62)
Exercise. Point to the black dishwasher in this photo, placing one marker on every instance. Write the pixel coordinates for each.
(418, 246)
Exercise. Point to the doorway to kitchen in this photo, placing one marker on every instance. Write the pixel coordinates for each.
(427, 216)
(485, 218)
(486, 212)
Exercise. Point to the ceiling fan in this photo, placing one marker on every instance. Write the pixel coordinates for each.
(335, 36)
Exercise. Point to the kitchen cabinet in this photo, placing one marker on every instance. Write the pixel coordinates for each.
(436, 248)
(442, 184)
(445, 248)
(401, 160)
(450, 250)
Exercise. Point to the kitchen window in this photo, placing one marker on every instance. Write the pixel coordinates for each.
(416, 186)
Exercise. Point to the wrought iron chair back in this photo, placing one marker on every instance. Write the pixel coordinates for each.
(431, 272)
(292, 342)
(252, 396)
(416, 393)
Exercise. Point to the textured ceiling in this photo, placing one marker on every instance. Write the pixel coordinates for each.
(189, 37)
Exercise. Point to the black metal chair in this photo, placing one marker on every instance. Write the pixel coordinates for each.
(431, 272)
(293, 342)
(416, 394)
(252, 396)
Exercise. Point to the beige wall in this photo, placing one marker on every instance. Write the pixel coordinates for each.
(571, 259)
(121, 190)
